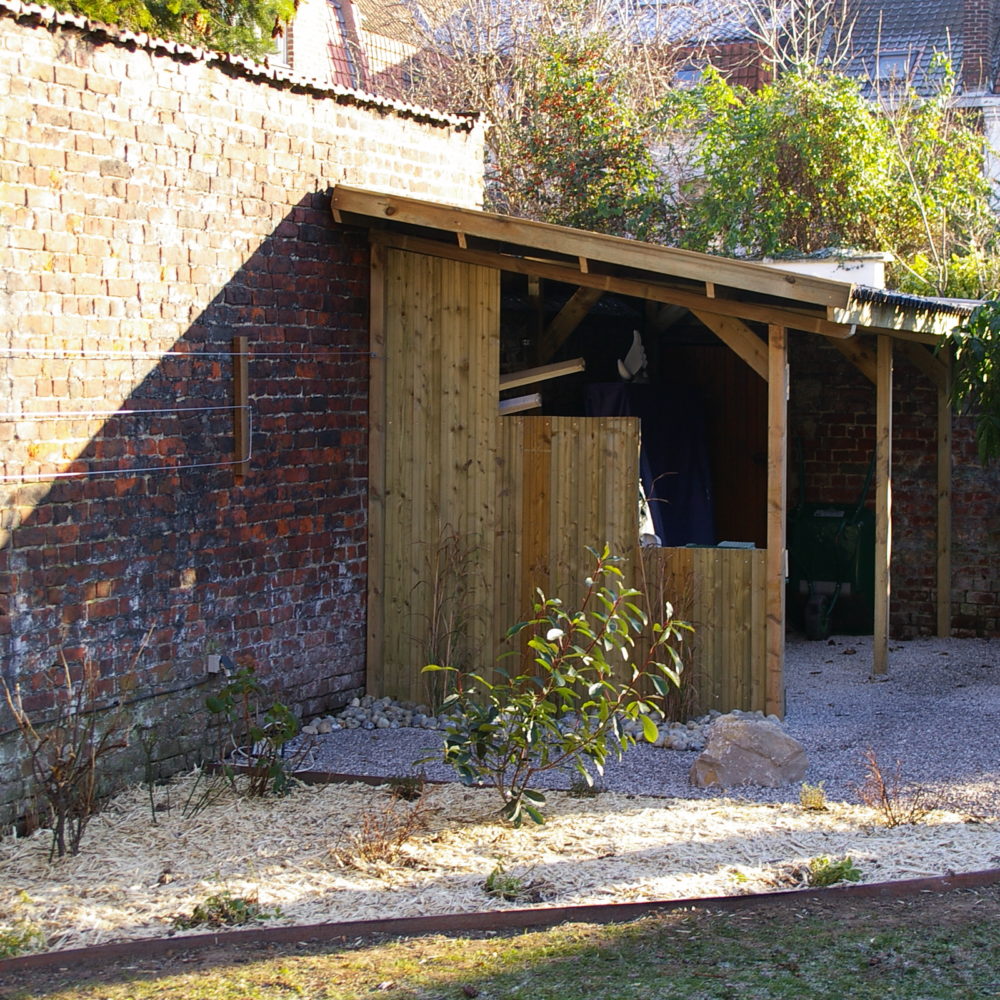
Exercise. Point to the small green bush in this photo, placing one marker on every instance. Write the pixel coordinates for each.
(503, 884)
(260, 734)
(570, 709)
(19, 936)
(223, 909)
(825, 871)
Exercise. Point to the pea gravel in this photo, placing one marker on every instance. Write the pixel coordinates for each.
(933, 721)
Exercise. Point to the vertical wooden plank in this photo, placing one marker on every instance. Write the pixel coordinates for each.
(535, 506)
(374, 653)
(736, 590)
(709, 631)
(441, 383)
(777, 461)
(509, 531)
(944, 447)
(758, 632)
(241, 415)
(485, 443)
(883, 505)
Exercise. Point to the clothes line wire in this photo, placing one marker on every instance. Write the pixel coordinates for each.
(55, 354)
(33, 477)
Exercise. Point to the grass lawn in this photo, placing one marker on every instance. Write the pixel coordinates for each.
(926, 947)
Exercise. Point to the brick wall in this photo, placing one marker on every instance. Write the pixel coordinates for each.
(157, 202)
(979, 32)
(832, 418)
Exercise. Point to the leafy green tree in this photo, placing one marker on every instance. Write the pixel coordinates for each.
(241, 27)
(809, 162)
(579, 154)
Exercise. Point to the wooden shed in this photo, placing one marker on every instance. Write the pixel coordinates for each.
(473, 504)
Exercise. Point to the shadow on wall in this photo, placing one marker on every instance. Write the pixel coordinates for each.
(155, 530)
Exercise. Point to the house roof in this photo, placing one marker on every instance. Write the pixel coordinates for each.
(694, 22)
(888, 37)
(898, 39)
(718, 286)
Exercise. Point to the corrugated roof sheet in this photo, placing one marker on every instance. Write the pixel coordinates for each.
(884, 297)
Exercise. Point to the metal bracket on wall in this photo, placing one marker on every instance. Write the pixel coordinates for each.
(241, 408)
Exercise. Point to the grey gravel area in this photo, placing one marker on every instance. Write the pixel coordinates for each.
(936, 715)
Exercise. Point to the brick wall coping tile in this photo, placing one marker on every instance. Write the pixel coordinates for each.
(46, 16)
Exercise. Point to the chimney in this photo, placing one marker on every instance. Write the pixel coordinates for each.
(979, 28)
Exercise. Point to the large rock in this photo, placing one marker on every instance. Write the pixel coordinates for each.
(748, 751)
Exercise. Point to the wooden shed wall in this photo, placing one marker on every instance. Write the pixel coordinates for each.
(471, 511)
(437, 462)
(566, 484)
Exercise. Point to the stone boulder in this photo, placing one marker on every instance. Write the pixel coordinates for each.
(744, 750)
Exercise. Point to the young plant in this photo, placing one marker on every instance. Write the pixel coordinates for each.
(569, 711)
(68, 749)
(451, 610)
(381, 832)
(514, 888)
(260, 735)
(812, 797)
(826, 871)
(19, 934)
(223, 909)
(408, 787)
(503, 884)
(896, 802)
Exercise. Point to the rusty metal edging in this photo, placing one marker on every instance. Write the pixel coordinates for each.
(491, 920)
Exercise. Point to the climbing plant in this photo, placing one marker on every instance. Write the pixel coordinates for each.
(242, 27)
(976, 378)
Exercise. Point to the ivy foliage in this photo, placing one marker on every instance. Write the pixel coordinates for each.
(976, 378)
(240, 27)
(579, 155)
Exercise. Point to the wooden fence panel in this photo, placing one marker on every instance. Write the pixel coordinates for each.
(721, 593)
(435, 515)
(566, 483)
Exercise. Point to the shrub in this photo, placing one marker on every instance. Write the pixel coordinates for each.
(67, 749)
(825, 871)
(382, 831)
(570, 710)
(258, 734)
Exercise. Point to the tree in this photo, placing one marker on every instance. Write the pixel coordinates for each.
(808, 162)
(522, 64)
(580, 153)
(242, 27)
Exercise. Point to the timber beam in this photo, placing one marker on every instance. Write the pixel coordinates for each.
(636, 288)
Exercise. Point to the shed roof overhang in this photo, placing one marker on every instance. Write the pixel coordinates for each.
(724, 294)
(717, 286)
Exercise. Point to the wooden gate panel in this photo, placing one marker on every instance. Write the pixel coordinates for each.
(721, 593)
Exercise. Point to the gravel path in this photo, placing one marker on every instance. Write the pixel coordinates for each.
(937, 714)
